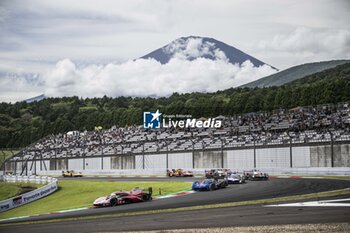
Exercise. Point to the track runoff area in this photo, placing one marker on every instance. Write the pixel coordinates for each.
(287, 204)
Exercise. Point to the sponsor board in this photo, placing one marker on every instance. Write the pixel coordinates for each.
(28, 197)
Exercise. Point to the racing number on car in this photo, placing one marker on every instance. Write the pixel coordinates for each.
(120, 202)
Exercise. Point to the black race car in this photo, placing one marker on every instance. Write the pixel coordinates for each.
(256, 175)
(217, 173)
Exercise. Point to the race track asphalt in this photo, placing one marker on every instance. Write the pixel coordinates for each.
(228, 216)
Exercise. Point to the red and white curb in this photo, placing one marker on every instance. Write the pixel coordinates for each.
(178, 194)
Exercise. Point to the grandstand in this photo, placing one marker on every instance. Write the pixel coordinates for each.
(300, 137)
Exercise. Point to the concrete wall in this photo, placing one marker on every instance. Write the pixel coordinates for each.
(107, 163)
(301, 156)
(180, 160)
(91, 164)
(138, 161)
(207, 159)
(61, 164)
(273, 157)
(155, 161)
(75, 164)
(239, 159)
(342, 155)
(320, 156)
(122, 162)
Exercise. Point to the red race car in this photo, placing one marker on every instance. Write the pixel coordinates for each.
(179, 173)
(124, 197)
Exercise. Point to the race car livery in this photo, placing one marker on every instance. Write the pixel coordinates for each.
(209, 184)
(124, 197)
(256, 175)
(71, 173)
(179, 173)
(235, 178)
(217, 173)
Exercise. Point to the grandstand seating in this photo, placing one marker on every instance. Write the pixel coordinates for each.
(301, 125)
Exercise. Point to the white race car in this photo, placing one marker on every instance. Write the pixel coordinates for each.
(256, 175)
(235, 178)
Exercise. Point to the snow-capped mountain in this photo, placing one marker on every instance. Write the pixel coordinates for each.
(188, 64)
(193, 47)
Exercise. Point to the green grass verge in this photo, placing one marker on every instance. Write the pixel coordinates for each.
(77, 193)
(8, 190)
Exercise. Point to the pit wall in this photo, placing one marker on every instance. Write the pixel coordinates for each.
(277, 159)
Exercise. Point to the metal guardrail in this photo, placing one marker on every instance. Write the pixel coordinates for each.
(50, 187)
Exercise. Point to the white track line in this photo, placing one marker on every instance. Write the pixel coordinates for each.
(325, 203)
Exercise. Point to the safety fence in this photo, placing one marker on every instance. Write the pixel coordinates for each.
(50, 187)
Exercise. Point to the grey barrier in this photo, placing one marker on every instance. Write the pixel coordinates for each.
(50, 187)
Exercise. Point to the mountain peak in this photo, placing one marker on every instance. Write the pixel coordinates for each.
(193, 47)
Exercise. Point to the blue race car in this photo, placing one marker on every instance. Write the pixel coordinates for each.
(209, 184)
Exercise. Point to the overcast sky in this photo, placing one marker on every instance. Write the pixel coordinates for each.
(38, 38)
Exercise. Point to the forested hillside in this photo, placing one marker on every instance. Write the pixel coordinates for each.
(22, 123)
(294, 73)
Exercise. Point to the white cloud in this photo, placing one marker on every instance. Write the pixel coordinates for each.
(306, 44)
(187, 71)
(17, 88)
(148, 77)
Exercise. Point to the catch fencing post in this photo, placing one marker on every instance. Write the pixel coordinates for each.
(143, 155)
(332, 149)
(222, 153)
(84, 158)
(34, 164)
(67, 161)
(167, 155)
(102, 157)
(41, 161)
(254, 149)
(291, 153)
(192, 153)
(55, 159)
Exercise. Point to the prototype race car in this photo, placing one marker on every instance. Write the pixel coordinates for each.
(256, 175)
(179, 173)
(209, 184)
(216, 173)
(124, 197)
(235, 178)
(71, 173)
